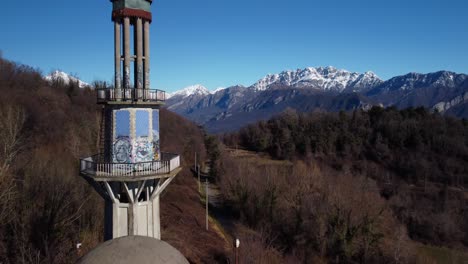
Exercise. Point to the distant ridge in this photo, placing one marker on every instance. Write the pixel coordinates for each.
(323, 89)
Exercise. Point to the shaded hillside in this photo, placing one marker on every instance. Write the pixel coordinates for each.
(309, 212)
(45, 128)
(301, 213)
(280, 98)
(182, 214)
(417, 160)
(434, 90)
(45, 207)
(413, 143)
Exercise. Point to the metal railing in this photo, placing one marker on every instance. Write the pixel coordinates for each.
(96, 166)
(106, 95)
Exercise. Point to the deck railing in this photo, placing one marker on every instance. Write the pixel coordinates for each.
(106, 95)
(95, 166)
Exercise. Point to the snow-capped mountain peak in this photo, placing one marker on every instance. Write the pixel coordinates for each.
(197, 89)
(325, 78)
(65, 77)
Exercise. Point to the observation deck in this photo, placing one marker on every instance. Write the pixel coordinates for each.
(95, 167)
(130, 96)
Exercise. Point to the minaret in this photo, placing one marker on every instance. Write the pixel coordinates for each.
(131, 172)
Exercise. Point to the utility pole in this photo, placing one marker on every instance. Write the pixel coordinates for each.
(206, 198)
(236, 245)
(197, 169)
(199, 181)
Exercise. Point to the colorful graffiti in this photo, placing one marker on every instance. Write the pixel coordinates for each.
(156, 150)
(143, 150)
(140, 145)
(155, 132)
(122, 150)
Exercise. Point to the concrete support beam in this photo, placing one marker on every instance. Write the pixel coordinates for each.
(160, 188)
(124, 216)
(117, 58)
(147, 55)
(139, 54)
(126, 53)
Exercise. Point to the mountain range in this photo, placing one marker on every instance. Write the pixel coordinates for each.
(319, 89)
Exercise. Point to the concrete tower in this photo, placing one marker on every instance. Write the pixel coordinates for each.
(131, 171)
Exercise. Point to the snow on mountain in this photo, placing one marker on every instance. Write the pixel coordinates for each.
(56, 75)
(326, 78)
(190, 90)
(230, 108)
(217, 90)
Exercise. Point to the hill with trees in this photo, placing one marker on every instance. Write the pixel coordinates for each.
(46, 208)
(358, 187)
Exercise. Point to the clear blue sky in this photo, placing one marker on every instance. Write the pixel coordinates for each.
(227, 42)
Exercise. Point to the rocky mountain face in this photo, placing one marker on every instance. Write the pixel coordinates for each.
(327, 79)
(319, 89)
(439, 90)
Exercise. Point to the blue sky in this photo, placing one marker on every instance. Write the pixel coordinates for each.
(219, 43)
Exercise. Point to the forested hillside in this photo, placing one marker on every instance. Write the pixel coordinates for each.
(46, 208)
(358, 185)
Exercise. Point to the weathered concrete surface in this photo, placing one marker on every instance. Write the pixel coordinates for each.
(134, 249)
(126, 52)
(139, 53)
(117, 55)
(146, 37)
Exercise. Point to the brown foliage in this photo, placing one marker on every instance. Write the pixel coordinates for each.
(182, 214)
(417, 158)
(307, 212)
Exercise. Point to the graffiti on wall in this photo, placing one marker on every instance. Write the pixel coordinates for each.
(122, 150)
(139, 145)
(155, 132)
(143, 150)
(122, 146)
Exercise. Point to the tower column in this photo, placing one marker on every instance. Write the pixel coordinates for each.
(126, 52)
(117, 58)
(147, 55)
(139, 54)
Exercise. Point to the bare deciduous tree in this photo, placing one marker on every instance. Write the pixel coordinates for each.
(11, 140)
(11, 123)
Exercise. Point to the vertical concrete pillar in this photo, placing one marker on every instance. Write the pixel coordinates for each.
(126, 53)
(117, 220)
(117, 59)
(147, 55)
(132, 215)
(156, 219)
(139, 57)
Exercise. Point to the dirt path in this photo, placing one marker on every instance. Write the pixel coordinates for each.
(221, 217)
